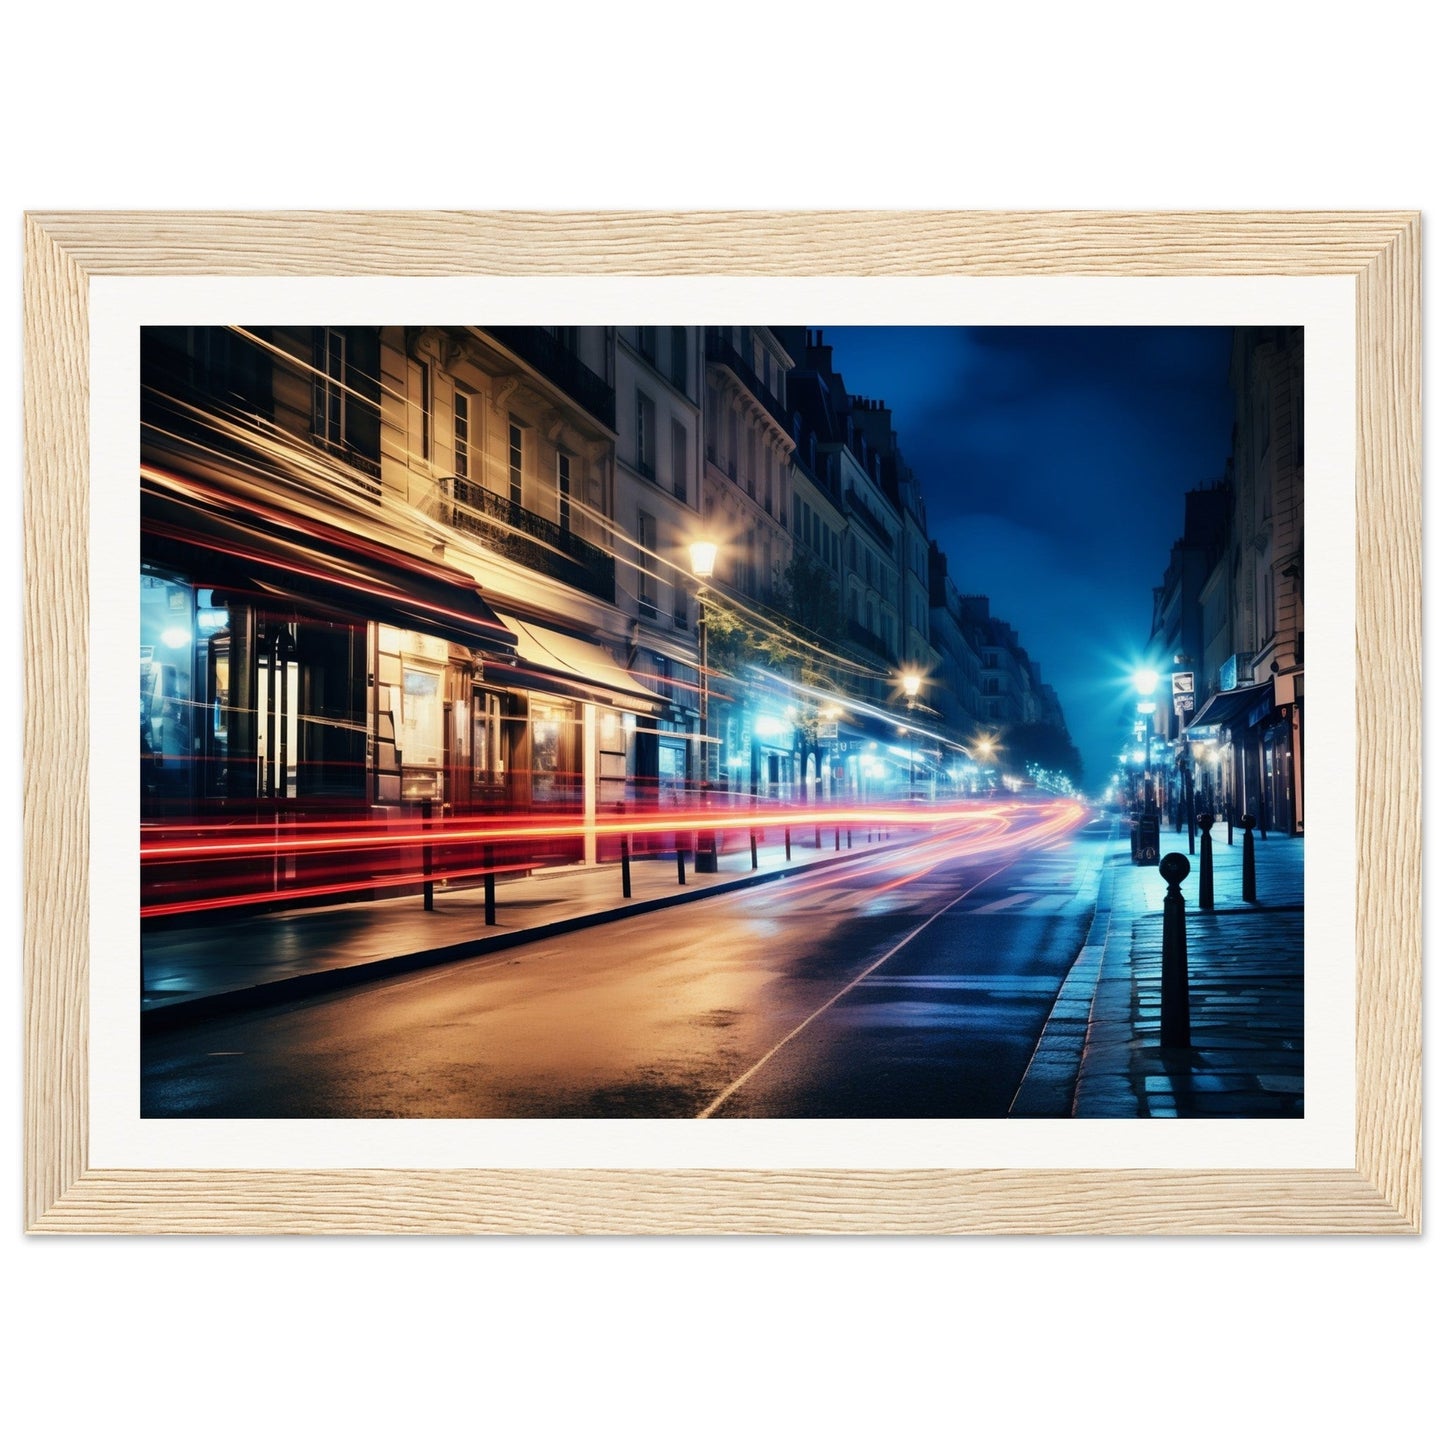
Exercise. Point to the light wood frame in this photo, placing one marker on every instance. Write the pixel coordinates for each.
(1382, 1194)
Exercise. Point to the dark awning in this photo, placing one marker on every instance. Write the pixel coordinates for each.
(233, 543)
(1226, 708)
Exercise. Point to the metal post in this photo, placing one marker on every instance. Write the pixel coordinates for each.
(1174, 974)
(1206, 863)
(1229, 826)
(489, 885)
(818, 836)
(1248, 890)
(787, 845)
(626, 868)
(836, 836)
(753, 845)
(850, 837)
(426, 886)
(1189, 803)
(682, 865)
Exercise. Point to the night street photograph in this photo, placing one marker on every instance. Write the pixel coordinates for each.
(721, 722)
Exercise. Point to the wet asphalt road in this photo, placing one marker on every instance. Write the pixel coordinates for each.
(909, 985)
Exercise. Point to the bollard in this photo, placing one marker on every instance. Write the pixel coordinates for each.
(850, 837)
(753, 846)
(787, 845)
(836, 836)
(626, 868)
(681, 866)
(1229, 827)
(426, 887)
(1206, 863)
(489, 886)
(1174, 971)
(1248, 890)
(818, 836)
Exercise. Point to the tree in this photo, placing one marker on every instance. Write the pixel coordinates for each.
(1044, 745)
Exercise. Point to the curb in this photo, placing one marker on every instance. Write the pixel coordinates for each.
(1051, 1079)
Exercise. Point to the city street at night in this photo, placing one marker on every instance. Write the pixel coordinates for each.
(649, 722)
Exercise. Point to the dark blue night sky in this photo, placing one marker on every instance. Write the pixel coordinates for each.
(1054, 462)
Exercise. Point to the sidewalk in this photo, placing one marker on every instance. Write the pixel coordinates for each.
(195, 970)
(1100, 1055)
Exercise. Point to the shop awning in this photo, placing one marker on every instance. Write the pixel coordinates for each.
(233, 544)
(558, 662)
(1226, 708)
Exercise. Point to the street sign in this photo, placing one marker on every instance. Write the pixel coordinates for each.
(1183, 692)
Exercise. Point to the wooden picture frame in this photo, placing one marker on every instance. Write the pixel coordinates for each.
(1380, 1194)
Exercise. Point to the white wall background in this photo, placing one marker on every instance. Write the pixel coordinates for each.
(1237, 105)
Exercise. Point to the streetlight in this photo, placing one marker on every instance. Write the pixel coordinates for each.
(911, 683)
(1146, 683)
(704, 557)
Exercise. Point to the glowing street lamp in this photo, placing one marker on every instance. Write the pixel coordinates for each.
(911, 683)
(704, 558)
(1146, 683)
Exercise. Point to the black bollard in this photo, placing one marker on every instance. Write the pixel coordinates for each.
(818, 836)
(787, 845)
(1229, 827)
(850, 837)
(626, 868)
(1206, 863)
(1247, 892)
(836, 836)
(681, 866)
(489, 886)
(426, 887)
(1174, 972)
(753, 846)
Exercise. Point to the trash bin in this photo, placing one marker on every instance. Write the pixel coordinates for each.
(1146, 846)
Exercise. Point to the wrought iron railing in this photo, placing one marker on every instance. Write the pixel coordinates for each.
(721, 350)
(530, 540)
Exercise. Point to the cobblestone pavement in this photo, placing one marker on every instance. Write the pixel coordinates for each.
(1100, 1055)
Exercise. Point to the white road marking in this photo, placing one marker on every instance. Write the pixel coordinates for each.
(742, 1079)
(999, 904)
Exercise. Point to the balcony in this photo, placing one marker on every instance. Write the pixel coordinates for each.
(858, 633)
(721, 351)
(529, 540)
(540, 349)
(870, 518)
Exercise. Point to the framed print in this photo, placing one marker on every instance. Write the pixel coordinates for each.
(672, 723)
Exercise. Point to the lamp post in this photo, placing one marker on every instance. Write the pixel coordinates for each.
(704, 556)
(1146, 683)
(911, 683)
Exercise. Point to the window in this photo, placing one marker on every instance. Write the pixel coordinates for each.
(647, 342)
(646, 454)
(419, 410)
(752, 471)
(646, 548)
(768, 482)
(678, 358)
(564, 491)
(679, 460)
(462, 434)
(329, 392)
(514, 463)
